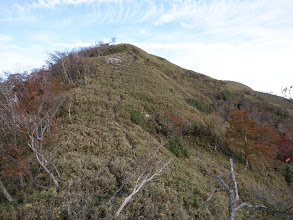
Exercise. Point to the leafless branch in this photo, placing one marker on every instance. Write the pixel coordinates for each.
(234, 195)
(287, 92)
(120, 188)
(147, 175)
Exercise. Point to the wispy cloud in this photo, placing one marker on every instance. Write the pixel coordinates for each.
(211, 13)
(228, 15)
(240, 40)
(54, 3)
(103, 11)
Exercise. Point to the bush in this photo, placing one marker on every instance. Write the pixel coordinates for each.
(96, 50)
(223, 95)
(114, 49)
(178, 147)
(199, 105)
(191, 128)
(281, 113)
(135, 116)
(287, 171)
(197, 129)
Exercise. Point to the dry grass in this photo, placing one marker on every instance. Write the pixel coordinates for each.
(105, 147)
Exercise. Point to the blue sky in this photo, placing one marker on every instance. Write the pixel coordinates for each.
(249, 41)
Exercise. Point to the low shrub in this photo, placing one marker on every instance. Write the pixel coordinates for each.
(223, 95)
(199, 105)
(135, 116)
(287, 171)
(112, 49)
(178, 147)
(197, 129)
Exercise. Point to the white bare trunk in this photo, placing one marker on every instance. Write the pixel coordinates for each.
(126, 200)
(5, 192)
(246, 164)
(231, 215)
(42, 163)
(233, 195)
(145, 177)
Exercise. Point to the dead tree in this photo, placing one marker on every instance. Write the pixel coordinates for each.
(234, 199)
(287, 92)
(37, 130)
(233, 194)
(152, 168)
(5, 192)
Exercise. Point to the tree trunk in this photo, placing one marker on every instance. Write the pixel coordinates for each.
(126, 200)
(42, 163)
(231, 203)
(266, 173)
(246, 164)
(6, 193)
(231, 214)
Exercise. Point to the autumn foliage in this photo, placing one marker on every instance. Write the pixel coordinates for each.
(257, 142)
(29, 106)
(284, 150)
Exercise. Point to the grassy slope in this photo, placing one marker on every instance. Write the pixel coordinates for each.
(104, 147)
(263, 96)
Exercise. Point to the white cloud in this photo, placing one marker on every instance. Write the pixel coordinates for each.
(8, 46)
(12, 60)
(5, 38)
(73, 45)
(142, 31)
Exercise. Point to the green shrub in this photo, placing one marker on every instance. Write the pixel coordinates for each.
(223, 95)
(112, 49)
(197, 129)
(135, 116)
(199, 105)
(178, 147)
(191, 128)
(281, 113)
(287, 171)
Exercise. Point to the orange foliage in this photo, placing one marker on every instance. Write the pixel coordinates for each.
(256, 141)
(28, 107)
(14, 163)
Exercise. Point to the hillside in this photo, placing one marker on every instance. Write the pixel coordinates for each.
(123, 105)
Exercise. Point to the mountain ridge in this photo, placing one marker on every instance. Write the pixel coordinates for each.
(127, 105)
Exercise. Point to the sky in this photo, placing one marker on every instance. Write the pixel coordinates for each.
(248, 41)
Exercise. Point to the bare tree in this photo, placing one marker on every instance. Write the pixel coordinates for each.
(233, 194)
(37, 129)
(28, 108)
(152, 168)
(234, 199)
(287, 92)
(75, 66)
